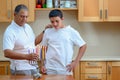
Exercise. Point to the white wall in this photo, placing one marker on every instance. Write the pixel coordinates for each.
(103, 38)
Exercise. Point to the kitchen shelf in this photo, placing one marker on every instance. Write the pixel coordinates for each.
(56, 8)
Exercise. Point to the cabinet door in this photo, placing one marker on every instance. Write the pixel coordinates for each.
(29, 3)
(76, 72)
(4, 68)
(113, 71)
(5, 10)
(112, 10)
(90, 10)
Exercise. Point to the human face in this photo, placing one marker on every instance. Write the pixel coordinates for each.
(21, 17)
(57, 22)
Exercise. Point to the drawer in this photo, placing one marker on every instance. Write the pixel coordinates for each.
(93, 76)
(93, 67)
(4, 67)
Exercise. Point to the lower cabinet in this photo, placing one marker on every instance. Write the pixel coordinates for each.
(76, 72)
(113, 70)
(93, 70)
(4, 68)
(85, 70)
(97, 70)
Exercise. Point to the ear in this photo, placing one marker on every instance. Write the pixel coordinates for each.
(15, 14)
(62, 18)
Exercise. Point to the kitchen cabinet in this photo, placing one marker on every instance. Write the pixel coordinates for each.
(4, 68)
(29, 3)
(113, 70)
(5, 10)
(93, 70)
(98, 10)
(76, 72)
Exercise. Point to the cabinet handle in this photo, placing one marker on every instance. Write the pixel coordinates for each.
(92, 77)
(7, 70)
(100, 14)
(109, 70)
(106, 13)
(9, 13)
(92, 64)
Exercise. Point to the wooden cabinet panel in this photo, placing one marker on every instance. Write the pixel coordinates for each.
(76, 72)
(99, 10)
(112, 10)
(4, 68)
(90, 10)
(97, 70)
(93, 76)
(93, 70)
(5, 10)
(29, 3)
(113, 71)
(93, 67)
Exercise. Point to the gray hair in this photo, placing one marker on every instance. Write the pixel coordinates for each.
(19, 7)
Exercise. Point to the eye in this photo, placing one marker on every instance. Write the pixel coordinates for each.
(57, 21)
(52, 21)
(22, 16)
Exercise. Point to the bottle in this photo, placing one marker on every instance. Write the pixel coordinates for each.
(38, 5)
(49, 4)
(44, 5)
(56, 3)
(67, 4)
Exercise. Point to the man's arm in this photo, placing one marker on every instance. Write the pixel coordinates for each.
(14, 55)
(80, 53)
(38, 39)
(79, 56)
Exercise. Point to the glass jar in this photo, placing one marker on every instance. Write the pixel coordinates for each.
(67, 4)
(49, 4)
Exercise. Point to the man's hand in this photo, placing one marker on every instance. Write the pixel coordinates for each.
(48, 26)
(43, 69)
(32, 56)
(71, 66)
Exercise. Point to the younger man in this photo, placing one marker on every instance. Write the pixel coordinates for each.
(60, 41)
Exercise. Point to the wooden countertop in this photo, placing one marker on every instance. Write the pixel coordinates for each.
(44, 77)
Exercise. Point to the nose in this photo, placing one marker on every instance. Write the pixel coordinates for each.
(25, 17)
(54, 24)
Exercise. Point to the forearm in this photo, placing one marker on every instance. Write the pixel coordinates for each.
(14, 55)
(39, 38)
(80, 53)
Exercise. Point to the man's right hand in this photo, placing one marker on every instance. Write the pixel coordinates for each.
(43, 69)
(33, 56)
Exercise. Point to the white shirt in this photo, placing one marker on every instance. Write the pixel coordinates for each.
(60, 46)
(19, 39)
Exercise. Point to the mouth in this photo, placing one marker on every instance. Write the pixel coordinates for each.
(56, 27)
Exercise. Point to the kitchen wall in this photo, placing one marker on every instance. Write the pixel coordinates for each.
(102, 38)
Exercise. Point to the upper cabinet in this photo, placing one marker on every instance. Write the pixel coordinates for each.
(7, 8)
(99, 10)
(29, 3)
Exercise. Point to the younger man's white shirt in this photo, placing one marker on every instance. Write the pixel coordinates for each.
(60, 47)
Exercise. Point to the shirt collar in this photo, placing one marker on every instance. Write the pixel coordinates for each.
(16, 25)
